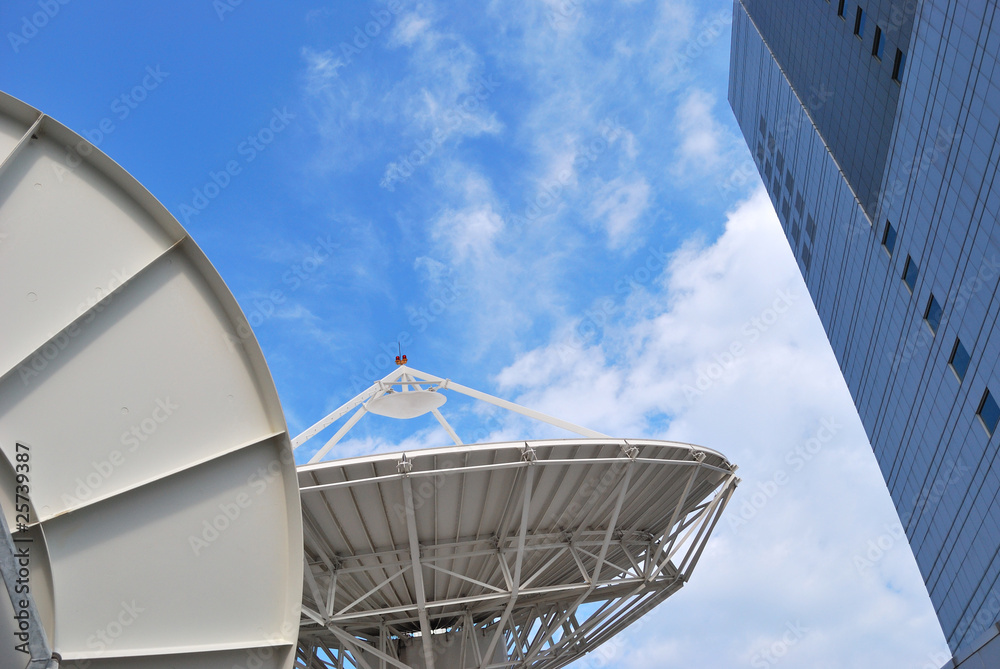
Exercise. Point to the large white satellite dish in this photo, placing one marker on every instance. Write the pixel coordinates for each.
(158, 488)
(523, 554)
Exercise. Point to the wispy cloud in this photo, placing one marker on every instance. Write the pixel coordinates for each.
(620, 204)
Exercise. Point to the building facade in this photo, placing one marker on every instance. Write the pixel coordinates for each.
(874, 127)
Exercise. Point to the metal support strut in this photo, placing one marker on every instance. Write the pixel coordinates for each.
(41, 653)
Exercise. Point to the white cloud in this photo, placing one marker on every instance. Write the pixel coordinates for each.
(321, 69)
(733, 323)
(701, 140)
(469, 232)
(410, 28)
(620, 203)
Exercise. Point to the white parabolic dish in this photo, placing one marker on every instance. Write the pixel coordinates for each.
(526, 554)
(164, 503)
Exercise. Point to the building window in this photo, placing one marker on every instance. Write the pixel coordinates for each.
(760, 151)
(989, 412)
(889, 238)
(806, 257)
(910, 272)
(879, 44)
(779, 162)
(762, 127)
(786, 209)
(859, 22)
(770, 143)
(789, 181)
(777, 183)
(898, 65)
(795, 232)
(841, 8)
(932, 314)
(767, 171)
(800, 204)
(811, 228)
(959, 359)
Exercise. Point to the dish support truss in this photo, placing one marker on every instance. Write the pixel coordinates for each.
(539, 600)
(402, 379)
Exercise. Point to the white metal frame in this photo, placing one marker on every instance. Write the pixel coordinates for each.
(536, 625)
(403, 379)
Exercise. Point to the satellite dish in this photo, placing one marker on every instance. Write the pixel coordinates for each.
(162, 509)
(530, 553)
(405, 404)
(525, 554)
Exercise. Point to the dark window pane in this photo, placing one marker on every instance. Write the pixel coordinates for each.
(933, 313)
(841, 8)
(959, 359)
(889, 238)
(779, 162)
(762, 128)
(910, 272)
(786, 209)
(789, 181)
(811, 228)
(806, 257)
(898, 65)
(800, 204)
(989, 412)
(859, 23)
(879, 44)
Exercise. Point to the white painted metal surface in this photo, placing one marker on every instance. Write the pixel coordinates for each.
(164, 506)
(405, 404)
(396, 390)
(525, 554)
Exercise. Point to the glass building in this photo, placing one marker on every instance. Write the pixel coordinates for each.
(874, 127)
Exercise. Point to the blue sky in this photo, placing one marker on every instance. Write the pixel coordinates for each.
(549, 201)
